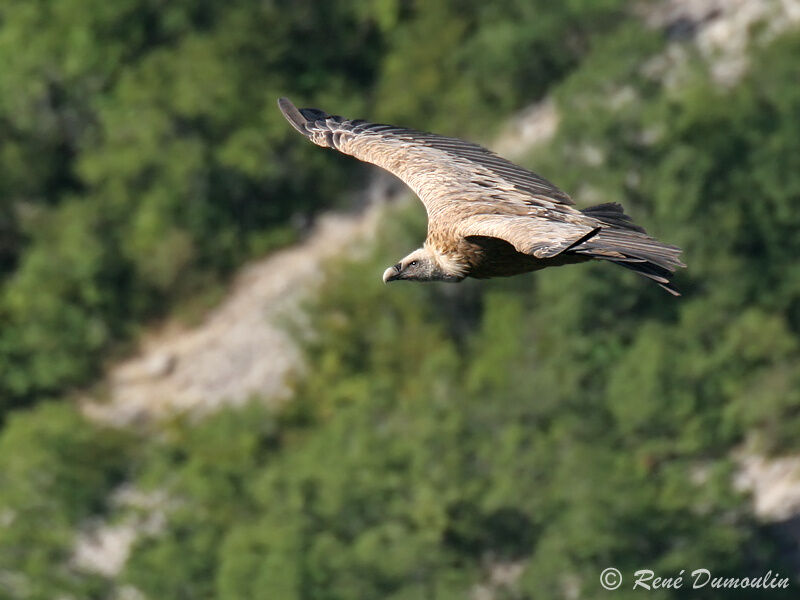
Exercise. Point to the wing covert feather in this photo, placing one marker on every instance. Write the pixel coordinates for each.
(542, 238)
(438, 168)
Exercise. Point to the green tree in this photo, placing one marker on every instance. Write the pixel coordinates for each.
(56, 469)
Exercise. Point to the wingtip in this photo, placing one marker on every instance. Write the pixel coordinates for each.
(292, 114)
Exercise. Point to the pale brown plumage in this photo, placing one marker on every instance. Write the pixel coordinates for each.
(487, 217)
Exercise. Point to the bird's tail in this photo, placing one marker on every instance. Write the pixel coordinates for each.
(628, 245)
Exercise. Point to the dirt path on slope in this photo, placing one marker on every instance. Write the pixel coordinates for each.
(241, 348)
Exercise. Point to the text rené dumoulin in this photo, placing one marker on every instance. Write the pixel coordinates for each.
(702, 578)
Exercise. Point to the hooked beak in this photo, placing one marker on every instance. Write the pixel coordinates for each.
(392, 273)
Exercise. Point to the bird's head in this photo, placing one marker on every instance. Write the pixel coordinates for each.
(421, 265)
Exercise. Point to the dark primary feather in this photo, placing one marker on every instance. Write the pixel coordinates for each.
(613, 214)
(294, 116)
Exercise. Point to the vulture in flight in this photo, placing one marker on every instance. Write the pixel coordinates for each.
(487, 217)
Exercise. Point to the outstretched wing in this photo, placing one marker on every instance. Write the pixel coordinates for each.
(466, 189)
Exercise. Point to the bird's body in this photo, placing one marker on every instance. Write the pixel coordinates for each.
(487, 217)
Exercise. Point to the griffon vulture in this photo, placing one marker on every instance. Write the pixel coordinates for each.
(487, 217)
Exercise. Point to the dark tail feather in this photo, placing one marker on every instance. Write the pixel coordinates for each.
(628, 245)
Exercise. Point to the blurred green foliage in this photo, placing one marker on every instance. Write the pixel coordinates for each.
(519, 434)
(56, 470)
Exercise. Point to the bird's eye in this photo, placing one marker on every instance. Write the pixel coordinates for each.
(413, 263)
